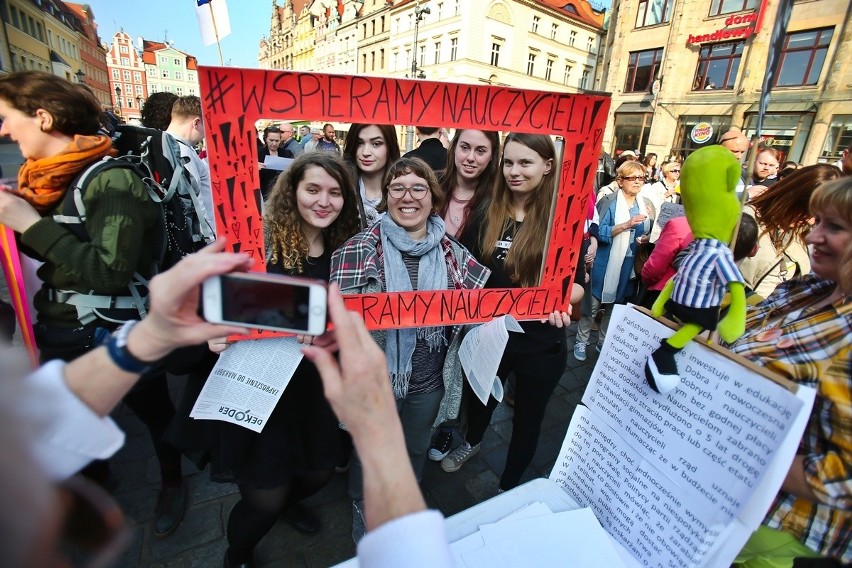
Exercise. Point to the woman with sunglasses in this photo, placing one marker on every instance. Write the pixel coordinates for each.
(406, 250)
(625, 220)
(509, 239)
(665, 190)
(370, 149)
(469, 178)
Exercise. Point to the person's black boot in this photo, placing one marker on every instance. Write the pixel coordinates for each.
(171, 505)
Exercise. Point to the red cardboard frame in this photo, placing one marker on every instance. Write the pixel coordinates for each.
(234, 99)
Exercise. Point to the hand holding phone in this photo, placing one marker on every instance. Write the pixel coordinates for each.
(266, 301)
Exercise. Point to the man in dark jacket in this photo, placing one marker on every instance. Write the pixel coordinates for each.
(430, 150)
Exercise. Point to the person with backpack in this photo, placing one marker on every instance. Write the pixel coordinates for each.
(96, 264)
(187, 128)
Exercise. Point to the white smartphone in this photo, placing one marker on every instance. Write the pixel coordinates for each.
(266, 301)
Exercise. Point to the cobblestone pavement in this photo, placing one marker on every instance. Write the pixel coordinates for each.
(200, 539)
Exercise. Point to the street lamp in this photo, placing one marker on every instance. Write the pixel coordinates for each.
(81, 76)
(419, 13)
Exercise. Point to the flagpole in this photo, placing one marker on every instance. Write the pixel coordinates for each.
(216, 33)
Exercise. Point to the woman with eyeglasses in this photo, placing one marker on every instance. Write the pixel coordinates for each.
(407, 250)
(665, 190)
(370, 149)
(509, 238)
(625, 221)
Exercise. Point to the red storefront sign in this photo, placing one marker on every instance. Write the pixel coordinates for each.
(752, 21)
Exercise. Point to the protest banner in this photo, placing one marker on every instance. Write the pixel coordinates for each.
(235, 99)
(682, 478)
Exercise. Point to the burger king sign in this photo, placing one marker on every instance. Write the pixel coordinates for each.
(701, 132)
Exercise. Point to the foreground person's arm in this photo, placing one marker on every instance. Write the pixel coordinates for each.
(72, 400)
(401, 532)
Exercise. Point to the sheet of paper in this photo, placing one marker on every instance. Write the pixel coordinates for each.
(569, 538)
(667, 475)
(480, 353)
(277, 163)
(247, 382)
(668, 211)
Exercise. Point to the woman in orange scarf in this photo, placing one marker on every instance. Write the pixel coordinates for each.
(56, 125)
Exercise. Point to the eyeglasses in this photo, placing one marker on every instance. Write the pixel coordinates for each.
(633, 178)
(398, 191)
(675, 171)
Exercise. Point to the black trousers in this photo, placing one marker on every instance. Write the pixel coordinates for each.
(536, 377)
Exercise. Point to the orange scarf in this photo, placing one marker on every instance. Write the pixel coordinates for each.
(42, 183)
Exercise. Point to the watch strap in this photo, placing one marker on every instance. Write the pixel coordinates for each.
(119, 354)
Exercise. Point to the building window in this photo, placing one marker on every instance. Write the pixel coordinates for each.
(454, 48)
(548, 69)
(719, 7)
(127, 75)
(382, 58)
(383, 23)
(457, 7)
(838, 139)
(116, 74)
(802, 57)
(363, 62)
(584, 78)
(531, 64)
(138, 89)
(630, 132)
(421, 55)
(123, 49)
(152, 71)
(165, 73)
(590, 44)
(15, 21)
(553, 28)
(495, 54)
(192, 91)
(190, 76)
(177, 62)
(653, 12)
(137, 76)
(372, 61)
(125, 61)
(153, 88)
(440, 10)
(572, 37)
(164, 60)
(718, 65)
(179, 91)
(566, 76)
(179, 75)
(437, 52)
(641, 70)
(535, 22)
(395, 60)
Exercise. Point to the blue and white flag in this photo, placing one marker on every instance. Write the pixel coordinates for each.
(213, 20)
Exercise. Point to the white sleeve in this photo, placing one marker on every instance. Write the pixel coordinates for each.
(67, 434)
(412, 541)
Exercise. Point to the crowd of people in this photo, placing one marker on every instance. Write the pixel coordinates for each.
(463, 212)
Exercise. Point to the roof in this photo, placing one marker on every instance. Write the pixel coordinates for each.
(150, 49)
(579, 10)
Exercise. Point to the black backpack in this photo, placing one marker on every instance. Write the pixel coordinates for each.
(154, 156)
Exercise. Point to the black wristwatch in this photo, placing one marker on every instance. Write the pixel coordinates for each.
(118, 352)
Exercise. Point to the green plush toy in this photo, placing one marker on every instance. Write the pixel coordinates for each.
(708, 180)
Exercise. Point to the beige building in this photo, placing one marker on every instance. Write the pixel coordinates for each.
(681, 72)
(42, 36)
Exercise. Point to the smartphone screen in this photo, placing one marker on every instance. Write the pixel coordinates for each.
(265, 303)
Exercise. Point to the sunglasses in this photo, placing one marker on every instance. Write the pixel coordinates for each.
(93, 527)
(675, 171)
